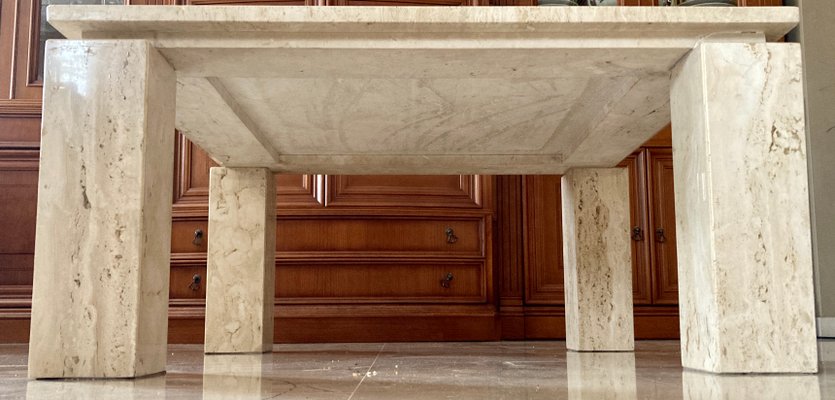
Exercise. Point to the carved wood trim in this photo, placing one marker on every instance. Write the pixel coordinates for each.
(20, 108)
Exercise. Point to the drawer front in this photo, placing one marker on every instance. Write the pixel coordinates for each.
(189, 236)
(187, 282)
(377, 281)
(462, 237)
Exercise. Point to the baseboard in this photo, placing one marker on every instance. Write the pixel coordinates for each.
(826, 327)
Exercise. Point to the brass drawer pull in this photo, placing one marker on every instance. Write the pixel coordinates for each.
(446, 281)
(198, 237)
(195, 282)
(450, 236)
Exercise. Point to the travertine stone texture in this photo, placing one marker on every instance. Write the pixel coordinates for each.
(313, 89)
(236, 376)
(102, 247)
(595, 376)
(698, 385)
(240, 281)
(597, 260)
(742, 210)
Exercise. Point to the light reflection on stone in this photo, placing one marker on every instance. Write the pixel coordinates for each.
(105, 389)
(706, 386)
(234, 376)
(601, 376)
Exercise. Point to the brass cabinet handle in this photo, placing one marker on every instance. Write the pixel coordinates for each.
(198, 237)
(195, 282)
(659, 235)
(637, 234)
(450, 236)
(445, 282)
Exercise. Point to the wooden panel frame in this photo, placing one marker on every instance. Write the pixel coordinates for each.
(663, 255)
(14, 297)
(192, 201)
(538, 263)
(468, 194)
(639, 218)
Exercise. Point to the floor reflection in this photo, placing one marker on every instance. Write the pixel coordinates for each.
(609, 376)
(234, 376)
(491, 370)
(117, 389)
(705, 386)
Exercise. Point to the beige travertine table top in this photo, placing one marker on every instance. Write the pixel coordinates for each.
(422, 89)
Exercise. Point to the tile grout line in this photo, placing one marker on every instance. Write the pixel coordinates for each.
(367, 371)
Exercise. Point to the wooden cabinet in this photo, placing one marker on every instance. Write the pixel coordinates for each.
(532, 293)
(418, 245)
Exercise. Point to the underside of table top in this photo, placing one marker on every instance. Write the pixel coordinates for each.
(422, 89)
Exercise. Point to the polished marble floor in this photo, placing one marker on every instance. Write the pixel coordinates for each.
(492, 370)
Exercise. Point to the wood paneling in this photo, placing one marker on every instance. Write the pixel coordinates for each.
(423, 236)
(409, 3)
(462, 191)
(252, 2)
(380, 281)
(191, 184)
(639, 220)
(509, 255)
(663, 222)
(18, 197)
(543, 268)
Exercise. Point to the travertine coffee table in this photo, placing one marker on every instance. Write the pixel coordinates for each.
(420, 91)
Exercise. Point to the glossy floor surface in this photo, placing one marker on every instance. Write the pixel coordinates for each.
(492, 370)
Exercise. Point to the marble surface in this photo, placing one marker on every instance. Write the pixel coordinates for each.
(240, 279)
(597, 259)
(742, 210)
(103, 236)
(404, 90)
(493, 370)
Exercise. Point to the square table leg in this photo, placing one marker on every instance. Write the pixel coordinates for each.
(597, 260)
(103, 235)
(742, 210)
(240, 283)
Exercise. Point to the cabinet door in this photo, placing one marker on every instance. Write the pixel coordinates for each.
(663, 223)
(543, 266)
(639, 222)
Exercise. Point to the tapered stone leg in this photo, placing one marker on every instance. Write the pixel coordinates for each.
(103, 236)
(742, 210)
(597, 260)
(240, 289)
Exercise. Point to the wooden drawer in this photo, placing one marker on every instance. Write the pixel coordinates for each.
(422, 236)
(180, 285)
(189, 236)
(354, 236)
(376, 281)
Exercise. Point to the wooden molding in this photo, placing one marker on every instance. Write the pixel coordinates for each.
(20, 108)
(404, 191)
